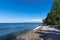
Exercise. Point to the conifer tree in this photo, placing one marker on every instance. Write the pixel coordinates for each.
(53, 17)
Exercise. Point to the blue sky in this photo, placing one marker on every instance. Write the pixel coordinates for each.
(24, 10)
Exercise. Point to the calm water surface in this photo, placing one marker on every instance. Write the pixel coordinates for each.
(10, 28)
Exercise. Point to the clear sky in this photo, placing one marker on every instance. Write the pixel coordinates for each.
(24, 10)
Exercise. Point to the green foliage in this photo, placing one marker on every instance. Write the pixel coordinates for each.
(53, 17)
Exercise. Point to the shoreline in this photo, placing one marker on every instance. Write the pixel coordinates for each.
(37, 27)
(42, 33)
(39, 33)
(22, 35)
(31, 35)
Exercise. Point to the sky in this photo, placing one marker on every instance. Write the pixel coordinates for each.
(12, 11)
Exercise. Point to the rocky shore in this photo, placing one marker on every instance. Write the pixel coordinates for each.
(42, 33)
(32, 35)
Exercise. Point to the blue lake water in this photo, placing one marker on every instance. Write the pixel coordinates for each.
(9, 28)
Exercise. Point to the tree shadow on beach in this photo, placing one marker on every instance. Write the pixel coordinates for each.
(49, 34)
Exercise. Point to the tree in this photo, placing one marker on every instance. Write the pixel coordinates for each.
(53, 17)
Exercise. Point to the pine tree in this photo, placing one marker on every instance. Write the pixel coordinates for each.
(53, 17)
